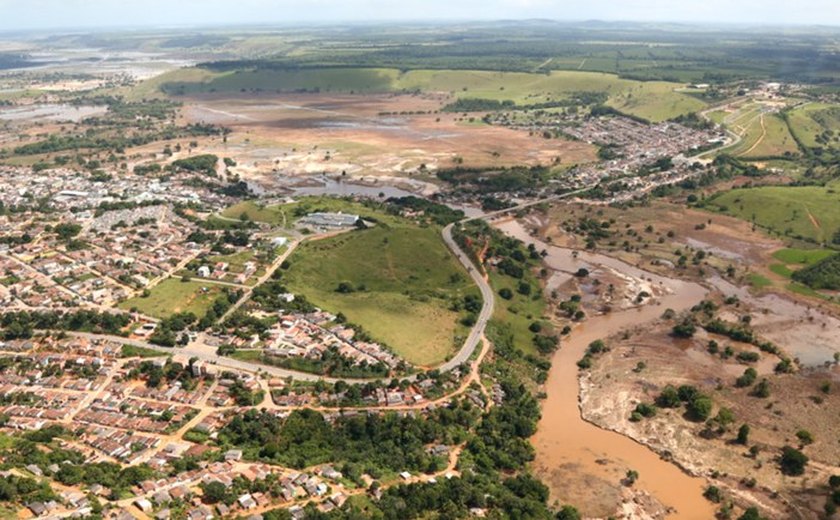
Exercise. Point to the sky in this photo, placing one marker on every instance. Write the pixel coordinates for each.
(70, 14)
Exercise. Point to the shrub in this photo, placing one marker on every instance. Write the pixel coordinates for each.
(793, 461)
(700, 408)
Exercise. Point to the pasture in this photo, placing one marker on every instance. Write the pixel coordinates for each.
(653, 100)
(816, 124)
(400, 282)
(805, 212)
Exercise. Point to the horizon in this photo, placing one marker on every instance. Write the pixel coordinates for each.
(105, 15)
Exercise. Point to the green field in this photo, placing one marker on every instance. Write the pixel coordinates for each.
(816, 124)
(802, 256)
(404, 279)
(806, 212)
(762, 135)
(653, 100)
(172, 296)
(520, 311)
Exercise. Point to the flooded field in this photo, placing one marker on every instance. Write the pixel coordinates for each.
(582, 463)
(52, 112)
(805, 332)
(369, 135)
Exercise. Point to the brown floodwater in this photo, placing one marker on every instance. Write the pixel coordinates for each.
(571, 450)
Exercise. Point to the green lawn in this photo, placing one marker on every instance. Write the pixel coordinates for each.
(248, 210)
(404, 281)
(128, 351)
(807, 212)
(253, 356)
(781, 270)
(173, 296)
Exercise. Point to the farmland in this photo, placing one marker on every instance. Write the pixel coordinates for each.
(656, 101)
(816, 124)
(806, 212)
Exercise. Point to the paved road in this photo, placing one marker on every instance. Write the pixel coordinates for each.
(208, 354)
(487, 297)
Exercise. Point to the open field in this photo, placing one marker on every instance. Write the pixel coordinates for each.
(809, 212)
(812, 121)
(656, 100)
(802, 256)
(763, 132)
(365, 135)
(403, 280)
(173, 296)
(285, 215)
(766, 136)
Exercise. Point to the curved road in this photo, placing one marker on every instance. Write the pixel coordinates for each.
(488, 301)
(208, 354)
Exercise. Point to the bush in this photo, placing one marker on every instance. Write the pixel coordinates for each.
(747, 379)
(762, 389)
(669, 398)
(805, 437)
(645, 410)
(700, 408)
(793, 461)
(743, 434)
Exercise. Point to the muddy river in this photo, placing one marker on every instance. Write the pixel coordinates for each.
(576, 458)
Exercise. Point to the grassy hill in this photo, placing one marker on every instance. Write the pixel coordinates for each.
(653, 100)
(816, 124)
(807, 212)
(404, 280)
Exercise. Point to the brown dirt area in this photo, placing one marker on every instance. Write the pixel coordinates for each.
(803, 328)
(299, 134)
(613, 388)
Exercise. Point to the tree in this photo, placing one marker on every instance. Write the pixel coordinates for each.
(805, 437)
(747, 379)
(506, 293)
(700, 408)
(743, 434)
(685, 329)
(214, 492)
(713, 494)
(762, 389)
(568, 513)
(669, 398)
(793, 461)
(751, 514)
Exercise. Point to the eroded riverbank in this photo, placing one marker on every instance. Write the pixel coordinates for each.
(582, 463)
